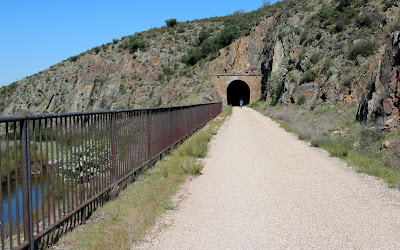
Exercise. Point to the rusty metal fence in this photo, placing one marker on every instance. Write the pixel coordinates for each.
(56, 168)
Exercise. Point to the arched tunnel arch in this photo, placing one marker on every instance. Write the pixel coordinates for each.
(238, 90)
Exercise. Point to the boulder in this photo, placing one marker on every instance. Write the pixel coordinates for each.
(385, 145)
(392, 14)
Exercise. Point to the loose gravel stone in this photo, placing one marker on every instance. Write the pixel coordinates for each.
(262, 188)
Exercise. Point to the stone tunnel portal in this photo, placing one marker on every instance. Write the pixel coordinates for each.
(238, 90)
(247, 86)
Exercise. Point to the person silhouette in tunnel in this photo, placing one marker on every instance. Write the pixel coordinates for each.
(241, 103)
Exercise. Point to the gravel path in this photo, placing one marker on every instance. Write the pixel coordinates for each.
(262, 188)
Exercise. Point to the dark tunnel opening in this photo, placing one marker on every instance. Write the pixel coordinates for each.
(238, 90)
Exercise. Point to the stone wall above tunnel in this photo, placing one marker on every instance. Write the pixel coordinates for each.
(222, 82)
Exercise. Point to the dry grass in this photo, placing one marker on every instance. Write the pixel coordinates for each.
(125, 220)
(335, 130)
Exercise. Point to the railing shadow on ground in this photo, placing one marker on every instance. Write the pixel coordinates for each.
(56, 169)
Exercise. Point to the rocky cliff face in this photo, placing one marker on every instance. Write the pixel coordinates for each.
(382, 100)
(244, 56)
(320, 63)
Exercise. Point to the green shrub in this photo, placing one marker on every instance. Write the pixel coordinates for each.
(121, 88)
(368, 20)
(168, 70)
(73, 58)
(192, 56)
(362, 34)
(360, 3)
(297, 30)
(339, 27)
(301, 100)
(311, 21)
(310, 75)
(338, 149)
(364, 48)
(227, 35)
(318, 36)
(254, 104)
(192, 167)
(394, 26)
(344, 3)
(171, 32)
(303, 37)
(211, 45)
(348, 13)
(208, 46)
(340, 16)
(319, 140)
(328, 63)
(364, 20)
(115, 41)
(202, 37)
(171, 22)
(273, 102)
(328, 15)
(314, 59)
(17, 155)
(275, 86)
(134, 43)
(96, 50)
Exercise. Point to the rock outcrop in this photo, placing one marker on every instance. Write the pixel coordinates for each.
(382, 99)
(245, 55)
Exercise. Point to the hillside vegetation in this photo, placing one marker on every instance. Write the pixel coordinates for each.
(157, 67)
(322, 45)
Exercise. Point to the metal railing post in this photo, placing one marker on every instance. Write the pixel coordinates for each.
(114, 154)
(26, 183)
(149, 134)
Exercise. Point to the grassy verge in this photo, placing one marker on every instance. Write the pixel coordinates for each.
(125, 220)
(367, 147)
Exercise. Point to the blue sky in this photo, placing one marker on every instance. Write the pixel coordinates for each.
(36, 34)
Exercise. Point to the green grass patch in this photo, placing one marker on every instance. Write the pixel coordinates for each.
(197, 146)
(375, 168)
(169, 207)
(192, 166)
(337, 148)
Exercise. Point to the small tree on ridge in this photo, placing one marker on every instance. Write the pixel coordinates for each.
(171, 22)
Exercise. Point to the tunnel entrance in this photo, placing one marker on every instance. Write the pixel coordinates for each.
(238, 90)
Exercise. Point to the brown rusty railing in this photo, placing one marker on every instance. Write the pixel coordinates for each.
(57, 168)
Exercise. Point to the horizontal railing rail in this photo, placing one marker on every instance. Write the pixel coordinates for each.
(57, 168)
